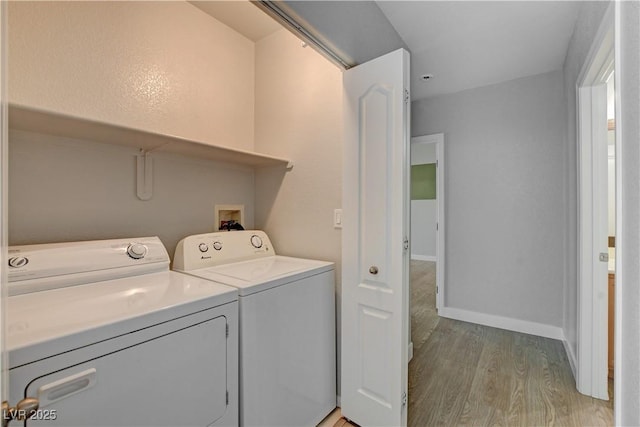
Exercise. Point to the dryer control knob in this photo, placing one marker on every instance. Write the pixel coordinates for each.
(217, 246)
(18, 261)
(203, 247)
(256, 241)
(136, 250)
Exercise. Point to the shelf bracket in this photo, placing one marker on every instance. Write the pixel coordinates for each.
(144, 178)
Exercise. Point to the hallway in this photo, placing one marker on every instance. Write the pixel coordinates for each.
(467, 374)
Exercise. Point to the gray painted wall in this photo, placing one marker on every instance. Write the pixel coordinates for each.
(589, 19)
(630, 243)
(505, 203)
(65, 190)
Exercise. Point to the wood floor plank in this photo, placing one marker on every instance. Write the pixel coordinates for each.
(423, 308)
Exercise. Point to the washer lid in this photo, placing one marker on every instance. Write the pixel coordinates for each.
(42, 324)
(262, 274)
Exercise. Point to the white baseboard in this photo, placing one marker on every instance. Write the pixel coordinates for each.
(410, 352)
(573, 362)
(424, 257)
(508, 323)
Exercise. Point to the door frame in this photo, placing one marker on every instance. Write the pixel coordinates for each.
(592, 309)
(4, 229)
(438, 140)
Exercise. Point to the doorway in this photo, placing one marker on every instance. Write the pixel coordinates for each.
(427, 237)
(597, 212)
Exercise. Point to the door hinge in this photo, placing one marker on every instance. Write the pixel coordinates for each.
(437, 226)
(437, 290)
(404, 398)
(406, 96)
(227, 330)
(227, 397)
(405, 243)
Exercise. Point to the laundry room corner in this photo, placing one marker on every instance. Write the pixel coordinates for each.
(298, 115)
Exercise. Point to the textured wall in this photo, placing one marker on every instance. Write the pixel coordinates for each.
(589, 18)
(65, 190)
(299, 116)
(504, 151)
(161, 66)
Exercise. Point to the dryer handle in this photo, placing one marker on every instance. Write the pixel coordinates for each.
(65, 387)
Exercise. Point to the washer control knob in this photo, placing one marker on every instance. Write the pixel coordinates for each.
(203, 247)
(217, 246)
(256, 241)
(18, 261)
(136, 250)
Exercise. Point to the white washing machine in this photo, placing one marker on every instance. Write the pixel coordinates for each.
(287, 324)
(102, 333)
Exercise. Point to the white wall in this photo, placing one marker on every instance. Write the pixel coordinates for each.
(162, 66)
(65, 190)
(589, 18)
(504, 198)
(423, 212)
(629, 161)
(299, 116)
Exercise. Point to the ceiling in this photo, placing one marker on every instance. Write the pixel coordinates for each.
(468, 44)
(464, 44)
(241, 16)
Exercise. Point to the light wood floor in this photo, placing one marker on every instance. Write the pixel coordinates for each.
(464, 374)
(424, 316)
(467, 374)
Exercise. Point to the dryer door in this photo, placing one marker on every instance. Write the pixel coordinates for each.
(178, 377)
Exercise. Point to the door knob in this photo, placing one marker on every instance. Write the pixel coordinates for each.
(373, 269)
(22, 411)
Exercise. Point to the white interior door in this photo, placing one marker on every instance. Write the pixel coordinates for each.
(591, 373)
(375, 254)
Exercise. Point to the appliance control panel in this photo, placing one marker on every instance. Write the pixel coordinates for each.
(207, 250)
(39, 267)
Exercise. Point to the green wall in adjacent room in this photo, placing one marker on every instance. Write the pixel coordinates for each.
(423, 182)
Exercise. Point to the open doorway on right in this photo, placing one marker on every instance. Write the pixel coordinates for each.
(427, 237)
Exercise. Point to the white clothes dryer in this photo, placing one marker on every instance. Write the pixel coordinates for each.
(287, 324)
(102, 333)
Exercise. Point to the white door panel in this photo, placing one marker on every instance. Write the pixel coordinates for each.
(375, 261)
(592, 369)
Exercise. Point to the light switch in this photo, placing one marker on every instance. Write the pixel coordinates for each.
(337, 218)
